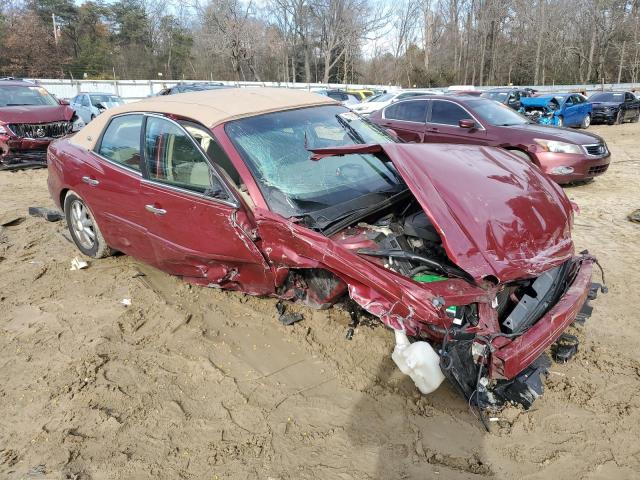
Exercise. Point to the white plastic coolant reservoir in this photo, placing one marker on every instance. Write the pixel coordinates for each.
(419, 361)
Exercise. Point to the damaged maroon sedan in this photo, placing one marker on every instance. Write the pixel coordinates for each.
(30, 117)
(465, 249)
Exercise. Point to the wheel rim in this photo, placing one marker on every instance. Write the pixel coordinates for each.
(587, 121)
(560, 121)
(82, 225)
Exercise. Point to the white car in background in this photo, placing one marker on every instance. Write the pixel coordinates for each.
(89, 105)
(380, 101)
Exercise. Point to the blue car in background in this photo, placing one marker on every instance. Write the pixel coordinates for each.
(560, 109)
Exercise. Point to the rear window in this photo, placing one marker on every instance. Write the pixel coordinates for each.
(121, 141)
(410, 111)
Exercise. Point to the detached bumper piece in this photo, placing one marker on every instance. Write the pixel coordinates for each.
(23, 159)
(526, 387)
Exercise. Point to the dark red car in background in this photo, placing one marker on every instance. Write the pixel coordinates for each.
(30, 117)
(566, 155)
(288, 194)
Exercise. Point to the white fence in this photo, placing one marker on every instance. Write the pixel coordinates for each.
(132, 90)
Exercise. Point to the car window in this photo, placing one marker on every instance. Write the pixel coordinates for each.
(341, 97)
(74, 99)
(18, 95)
(214, 151)
(85, 101)
(607, 97)
(173, 158)
(121, 141)
(275, 147)
(409, 111)
(447, 113)
(628, 97)
(410, 94)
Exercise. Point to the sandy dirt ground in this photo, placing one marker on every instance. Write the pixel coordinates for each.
(195, 383)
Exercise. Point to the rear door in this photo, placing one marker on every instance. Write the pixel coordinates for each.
(110, 184)
(195, 222)
(407, 119)
(443, 119)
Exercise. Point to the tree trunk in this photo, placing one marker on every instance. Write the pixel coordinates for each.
(539, 40)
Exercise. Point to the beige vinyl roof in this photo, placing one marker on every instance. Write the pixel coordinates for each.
(209, 107)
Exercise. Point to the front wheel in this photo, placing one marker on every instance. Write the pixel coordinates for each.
(83, 227)
(560, 122)
(586, 121)
(636, 119)
(619, 118)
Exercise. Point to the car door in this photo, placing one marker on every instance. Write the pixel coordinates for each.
(407, 119)
(86, 108)
(110, 184)
(443, 125)
(631, 105)
(195, 223)
(571, 112)
(513, 101)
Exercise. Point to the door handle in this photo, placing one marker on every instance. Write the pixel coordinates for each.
(155, 210)
(433, 129)
(91, 181)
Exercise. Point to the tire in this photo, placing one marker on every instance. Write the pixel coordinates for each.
(636, 119)
(92, 117)
(619, 118)
(586, 121)
(560, 122)
(83, 227)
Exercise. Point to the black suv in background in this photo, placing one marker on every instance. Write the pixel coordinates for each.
(614, 107)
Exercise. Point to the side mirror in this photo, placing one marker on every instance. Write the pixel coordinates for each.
(467, 123)
(100, 106)
(62, 101)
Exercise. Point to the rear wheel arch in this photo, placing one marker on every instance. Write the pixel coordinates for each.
(63, 195)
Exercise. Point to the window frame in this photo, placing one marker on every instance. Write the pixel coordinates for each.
(479, 125)
(231, 199)
(98, 144)
(395, 104)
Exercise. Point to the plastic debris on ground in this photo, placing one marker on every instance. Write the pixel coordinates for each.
(47, 214)
(77, 264)
(287, 318)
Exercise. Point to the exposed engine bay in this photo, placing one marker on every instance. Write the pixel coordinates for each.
(405, 241)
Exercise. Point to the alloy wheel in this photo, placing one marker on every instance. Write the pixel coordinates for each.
(82, 225)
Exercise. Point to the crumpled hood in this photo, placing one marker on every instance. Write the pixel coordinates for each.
(497, 214)
(36, 114)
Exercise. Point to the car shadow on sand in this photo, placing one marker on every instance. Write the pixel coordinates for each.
(407, 435)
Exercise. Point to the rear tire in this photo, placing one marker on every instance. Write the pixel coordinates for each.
(83, 227)
(636, 119)
(586, 121)
(560, 122)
